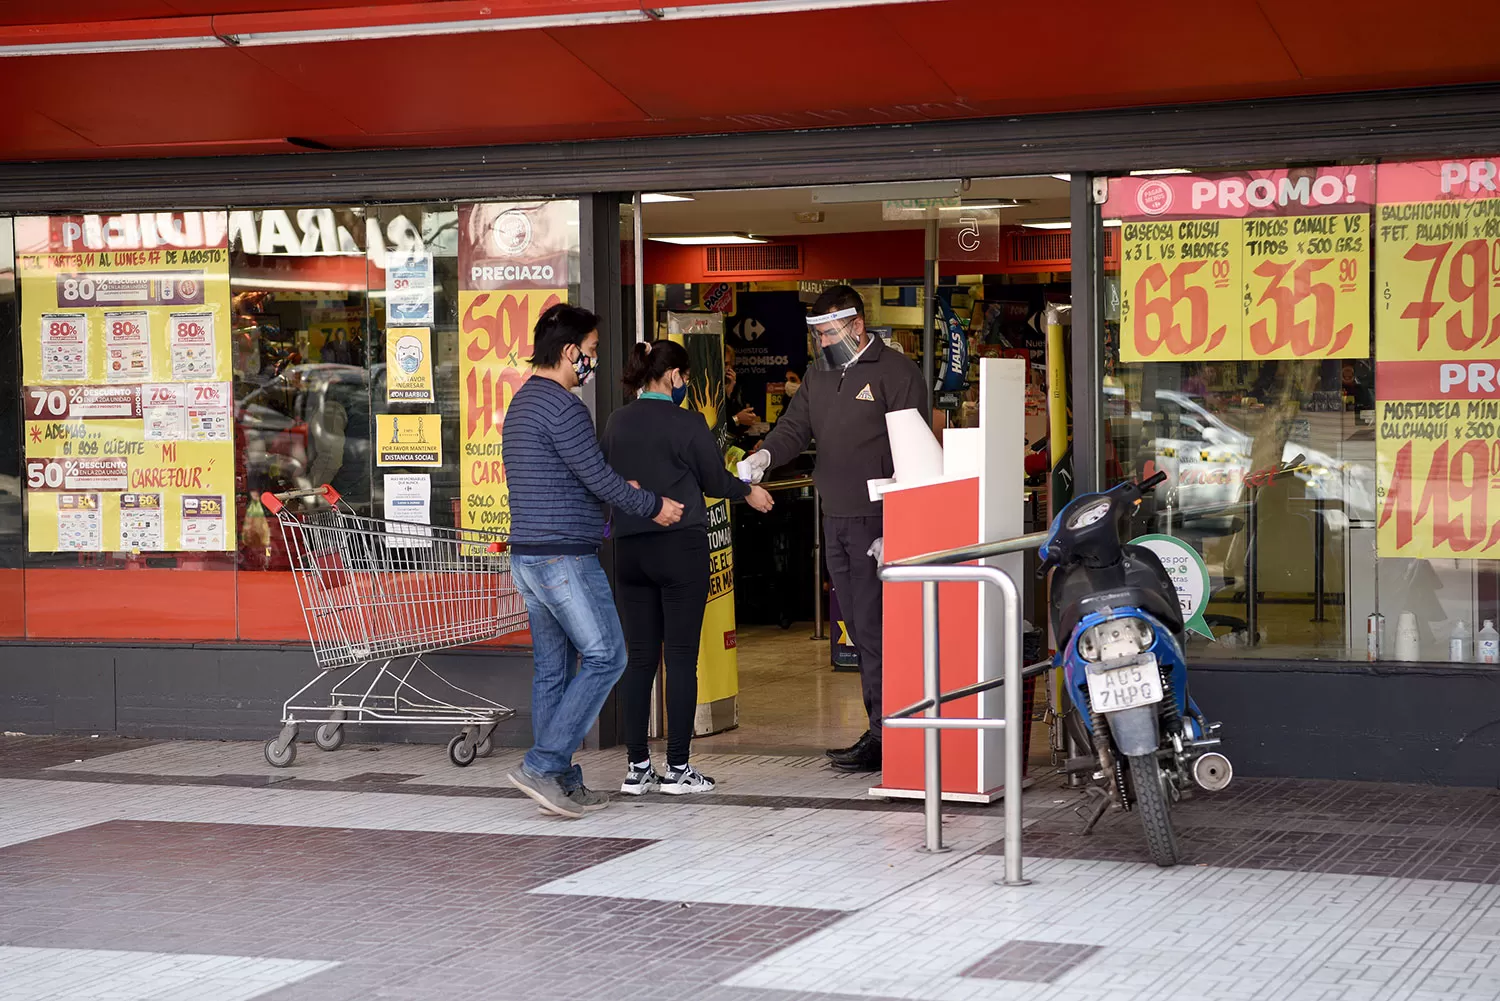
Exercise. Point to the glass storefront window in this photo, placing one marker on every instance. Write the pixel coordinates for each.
(1244, 329)
(12, 524)
(299, 289)
(184, 363)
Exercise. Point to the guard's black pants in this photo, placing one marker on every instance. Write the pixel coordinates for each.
(853, 570)
(662, 578)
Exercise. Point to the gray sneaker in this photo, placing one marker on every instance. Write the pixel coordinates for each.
(547, 792)
(591, 800)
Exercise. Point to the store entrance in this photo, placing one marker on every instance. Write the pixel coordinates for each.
(987, 257)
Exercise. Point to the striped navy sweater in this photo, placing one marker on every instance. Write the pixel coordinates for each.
(557, 476)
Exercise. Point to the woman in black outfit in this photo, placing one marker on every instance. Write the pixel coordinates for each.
(662, 574)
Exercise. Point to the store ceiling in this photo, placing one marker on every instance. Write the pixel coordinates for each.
(898, 62)
(775, 211)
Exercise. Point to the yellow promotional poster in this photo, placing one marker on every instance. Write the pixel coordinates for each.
(1437, 374)
(718, 653)
(1180, 290)
(1307, 286)
(409, 439)
(1259, 264)
(127, 403)
(513, 266)
(408, 365)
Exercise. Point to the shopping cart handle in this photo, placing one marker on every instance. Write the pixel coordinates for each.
(275, 502)
(497, 547)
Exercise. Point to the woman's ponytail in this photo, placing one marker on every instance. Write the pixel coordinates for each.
(637, 366)
(648, 361)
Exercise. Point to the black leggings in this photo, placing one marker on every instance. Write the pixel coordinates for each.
(663, 579)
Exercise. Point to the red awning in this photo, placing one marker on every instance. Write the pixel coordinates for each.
(250, 75)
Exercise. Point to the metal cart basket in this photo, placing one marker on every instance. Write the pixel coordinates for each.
(377, 595)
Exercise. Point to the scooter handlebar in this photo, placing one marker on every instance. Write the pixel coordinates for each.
(1153, 481)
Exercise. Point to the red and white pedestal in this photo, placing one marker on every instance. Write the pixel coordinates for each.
(979, 498)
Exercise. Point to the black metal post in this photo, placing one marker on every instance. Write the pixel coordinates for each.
(600, 291)
(1087, 339)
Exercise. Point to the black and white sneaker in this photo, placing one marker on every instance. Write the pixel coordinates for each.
(640, 779)
(684, 780)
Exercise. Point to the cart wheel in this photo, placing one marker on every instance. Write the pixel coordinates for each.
(278, 755)
(485, 748)
(330, 737)
(460, 751)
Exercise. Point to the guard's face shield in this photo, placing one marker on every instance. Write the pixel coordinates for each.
(837, 338)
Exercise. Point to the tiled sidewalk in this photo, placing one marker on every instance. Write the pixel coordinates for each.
(163, 870)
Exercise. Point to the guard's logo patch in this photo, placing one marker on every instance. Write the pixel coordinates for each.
(865, 394)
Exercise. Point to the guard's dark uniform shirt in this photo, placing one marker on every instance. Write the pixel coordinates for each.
(845, 412)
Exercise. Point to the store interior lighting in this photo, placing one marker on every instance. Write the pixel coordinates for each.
(657, 198)
(708, 239)
(226, 35)
(1159, 170)
(1060, 223)
(1000, 203)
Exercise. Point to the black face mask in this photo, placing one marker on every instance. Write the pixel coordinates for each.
(583, 368)
(837, 341)
(839, 354)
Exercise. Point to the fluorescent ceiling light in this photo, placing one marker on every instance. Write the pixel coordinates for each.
(108, 45)
(655, 198)
(1063, 177)
(1061, 224)
(294, 285)
(850, 194)
(1160, 170)
(228, 36)
(1003, 203)
(707, 239)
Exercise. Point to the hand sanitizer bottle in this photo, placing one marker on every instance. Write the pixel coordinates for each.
(1458, 644)
(1489, 644)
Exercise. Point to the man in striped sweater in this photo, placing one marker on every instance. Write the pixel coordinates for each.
(559, 484)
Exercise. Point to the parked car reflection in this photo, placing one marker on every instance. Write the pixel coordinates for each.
(308, 426)
(1208, 460)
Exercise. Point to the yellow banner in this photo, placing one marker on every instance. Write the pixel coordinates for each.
(718, 651)
(718, 654)
(408, 365)
(1439, 489)
(1437, 374)
(494, 343)
(1307, 287)
(1439, 265)
(1180, 287)
(127, 403)
(408, 439)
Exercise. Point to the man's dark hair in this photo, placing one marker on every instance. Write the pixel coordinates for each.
(839, 297)
(558, 327)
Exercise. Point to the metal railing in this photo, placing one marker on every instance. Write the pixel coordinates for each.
(931, 569)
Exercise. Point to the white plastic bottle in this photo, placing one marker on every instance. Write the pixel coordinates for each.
(1489, 644)
(1458, 644)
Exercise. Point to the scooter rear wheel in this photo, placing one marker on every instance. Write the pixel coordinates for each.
(1154, 806)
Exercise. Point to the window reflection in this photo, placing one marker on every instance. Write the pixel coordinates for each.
(300, 289)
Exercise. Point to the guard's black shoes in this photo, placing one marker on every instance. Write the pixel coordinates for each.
(835, 753)
(863, 759)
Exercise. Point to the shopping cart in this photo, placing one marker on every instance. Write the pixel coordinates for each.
(377, 595)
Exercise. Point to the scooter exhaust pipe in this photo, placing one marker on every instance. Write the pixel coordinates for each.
(1212, 771)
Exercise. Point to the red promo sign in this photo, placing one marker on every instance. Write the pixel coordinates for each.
(1298, 191)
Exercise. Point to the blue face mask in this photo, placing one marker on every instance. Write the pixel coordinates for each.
(679, 393)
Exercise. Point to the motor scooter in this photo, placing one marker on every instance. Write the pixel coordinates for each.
(1146, 744)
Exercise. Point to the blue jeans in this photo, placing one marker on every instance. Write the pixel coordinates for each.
(579, 653)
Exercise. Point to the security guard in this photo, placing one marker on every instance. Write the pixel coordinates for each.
(854, 381)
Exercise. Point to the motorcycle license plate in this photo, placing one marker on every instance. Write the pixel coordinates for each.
(1116, 688)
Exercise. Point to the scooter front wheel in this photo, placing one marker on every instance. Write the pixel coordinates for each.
(1154, 806)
